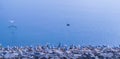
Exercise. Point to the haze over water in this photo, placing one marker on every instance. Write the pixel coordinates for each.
(92, 22)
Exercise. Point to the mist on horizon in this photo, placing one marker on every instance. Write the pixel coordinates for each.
(91, 22)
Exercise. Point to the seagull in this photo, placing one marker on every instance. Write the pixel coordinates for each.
(12, 21)
(67, 24)
(12, 24)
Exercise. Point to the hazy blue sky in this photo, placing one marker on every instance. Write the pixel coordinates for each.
(93, 22)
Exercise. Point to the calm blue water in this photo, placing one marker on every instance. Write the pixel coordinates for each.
(40, 21)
